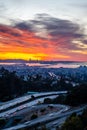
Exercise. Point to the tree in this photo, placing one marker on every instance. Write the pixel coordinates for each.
(77, 96)
(47, 100)
(2, 122)
(74, 123)
(34, 116)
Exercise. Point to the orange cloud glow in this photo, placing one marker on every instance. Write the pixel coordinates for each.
(18, 43)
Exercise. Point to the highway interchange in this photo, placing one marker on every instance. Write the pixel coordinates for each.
(51, 120)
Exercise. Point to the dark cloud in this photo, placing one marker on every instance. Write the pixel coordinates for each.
(84, 41)
(24, 26)
(53, 26)
(57, 26)
(62, 32)
(8, 30)
(57, 29)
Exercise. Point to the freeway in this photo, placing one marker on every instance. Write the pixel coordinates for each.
(35, 108)
(47, 118)
(59, 122)
(27, 113)
(8, 113)
(56, 123)
(26, 98)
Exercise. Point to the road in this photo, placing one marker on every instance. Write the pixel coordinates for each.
(29, 111)
(56, 123)
(39, 107)
(47, 118)
(18, 101)
(60, 121)
(8, 113)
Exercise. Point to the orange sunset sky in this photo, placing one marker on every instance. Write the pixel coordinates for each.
(43, 30)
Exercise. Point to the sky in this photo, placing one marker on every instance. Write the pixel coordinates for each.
(43, 30)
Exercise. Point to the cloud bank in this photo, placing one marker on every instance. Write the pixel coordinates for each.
(44, 38)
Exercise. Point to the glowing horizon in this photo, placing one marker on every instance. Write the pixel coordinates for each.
(43, 35)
